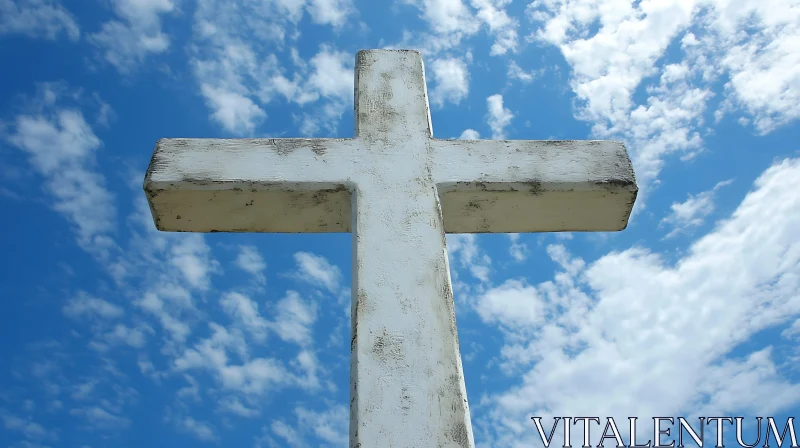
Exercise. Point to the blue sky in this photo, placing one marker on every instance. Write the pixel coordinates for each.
(115, 335)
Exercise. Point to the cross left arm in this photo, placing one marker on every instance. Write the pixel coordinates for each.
(211, 185)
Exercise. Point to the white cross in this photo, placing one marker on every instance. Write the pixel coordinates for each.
(398, 190)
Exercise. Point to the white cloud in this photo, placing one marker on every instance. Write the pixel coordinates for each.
(100, 418)
(504, 28)
(330, 425)
(37, 18)
(84, 304)
(165, 270)
(55, 141)
(191, 391)
(127, 42)
(464, 248)
(234, 111)
(614, 47)
(469, 134)
(330, 77)
(192, 257)
(250, 377)
(448, 16)
(290, 435)
(763, 65)
(153, 303)
(499, 117)
(331, 83)
(450, 22)
(512, 304)
(200, 430)
(235, 60)
(294, 318)
(251, 261)
(792, 332)
(27, 427)
(83, 391)
(517, 250)
(515, 72)
(593, 328)
(635, 36)
(332, 74)
(212, 352)
(451, 79)
(62, 146)
(234, 406)
(256, 376)
(693, 211)
(245, 311)
(330, 12)
(669, 123)
(321, 122)
(162, 271)
(120, 334)
(307, 365)
(318, 271)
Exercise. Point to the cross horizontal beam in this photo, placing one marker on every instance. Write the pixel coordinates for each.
(306, 185)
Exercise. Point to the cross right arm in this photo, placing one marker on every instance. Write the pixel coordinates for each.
(494, 186)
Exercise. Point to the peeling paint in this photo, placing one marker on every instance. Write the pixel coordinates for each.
(534, 187)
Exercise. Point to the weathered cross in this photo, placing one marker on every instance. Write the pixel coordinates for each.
(398, 190)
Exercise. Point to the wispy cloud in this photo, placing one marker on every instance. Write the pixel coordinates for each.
(239, 76)
(516, 72)
(451, 79)
(517, 250)
(46, 19)
(245, 312)
(329, 426)
(499, 117)
(172, 316)
(99, 418)
(501, 25)
(569, 335)
(294, 318)
(463, 249)
(330, 12)
(758, 64)
(251, 261)
(234, 406)
(318, 271)
(28, 428)
(192, 258)
(61, 147)
(693, 211)
(137, 33)
(200, 430)
(469, 134)
(85, 305)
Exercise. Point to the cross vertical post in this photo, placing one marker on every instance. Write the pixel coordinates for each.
(398, 190)
(407, 384)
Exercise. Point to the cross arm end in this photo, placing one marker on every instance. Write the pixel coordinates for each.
(249, 185)
(491, 186)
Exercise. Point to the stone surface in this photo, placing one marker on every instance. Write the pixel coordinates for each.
(398, 190)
